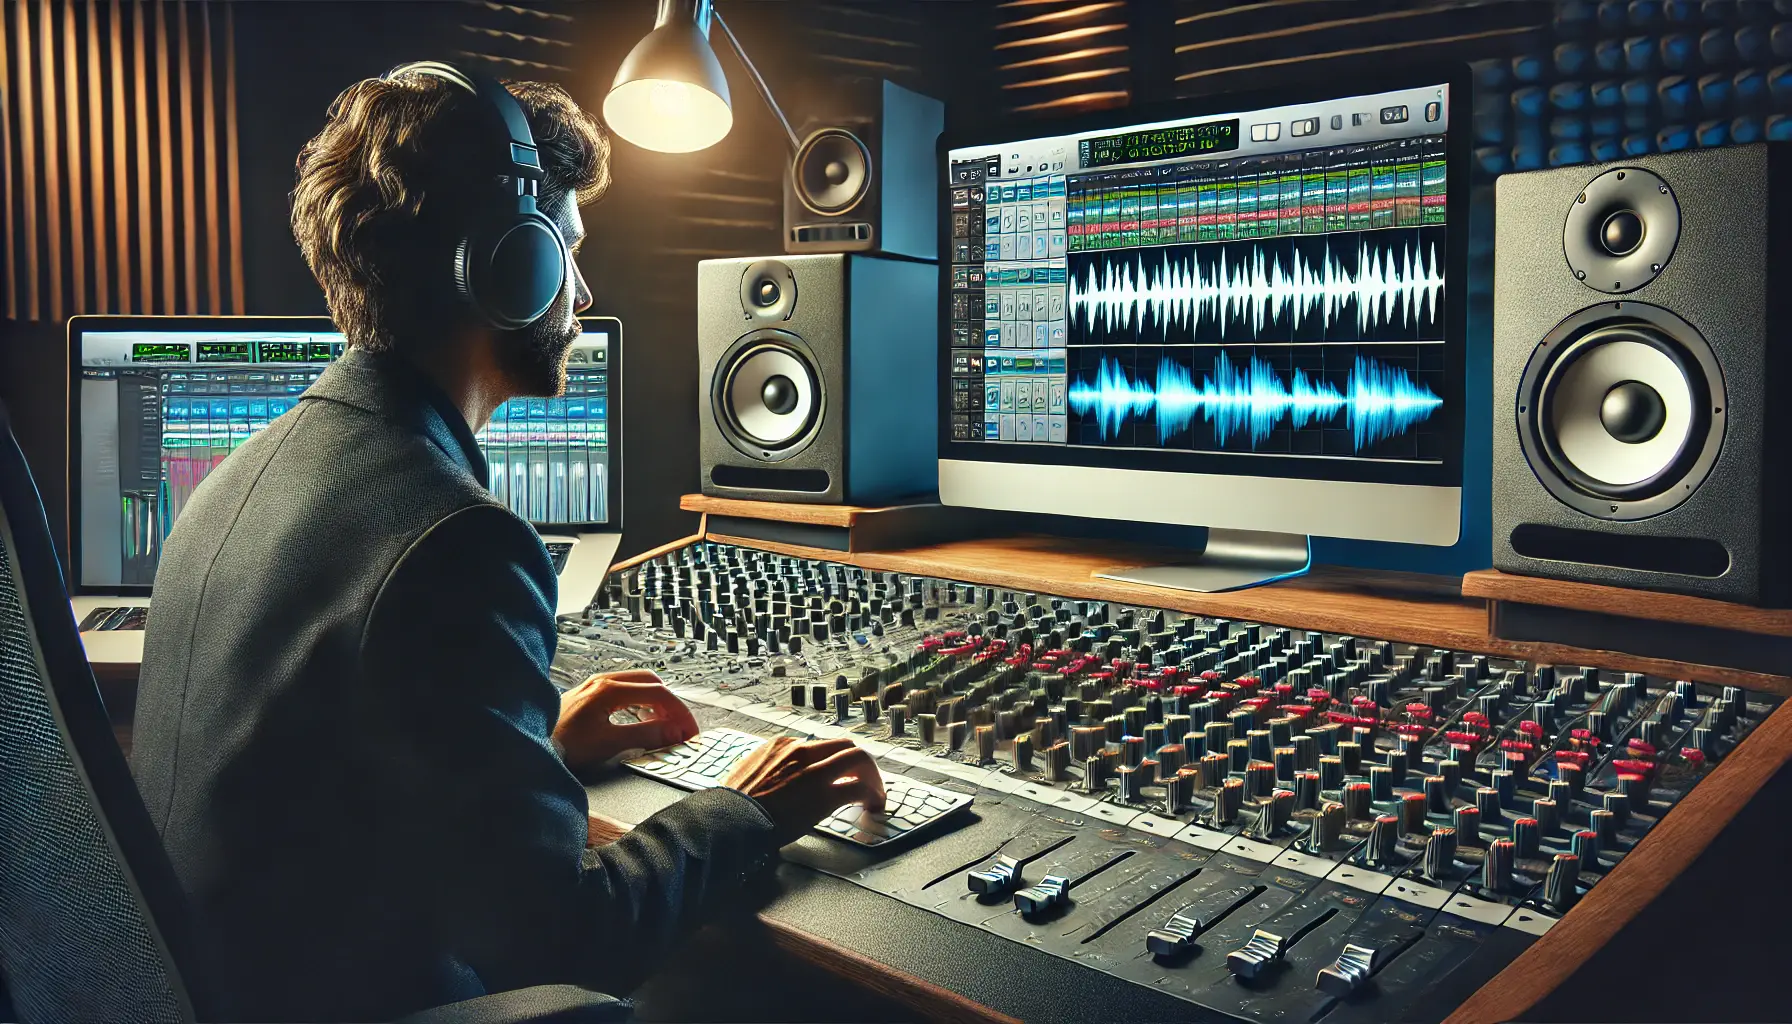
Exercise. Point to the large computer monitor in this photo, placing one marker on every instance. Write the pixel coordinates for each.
(1243, 314)
(159, 402)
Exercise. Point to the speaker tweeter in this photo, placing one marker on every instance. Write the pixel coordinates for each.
(768, 291)
(1621, 230)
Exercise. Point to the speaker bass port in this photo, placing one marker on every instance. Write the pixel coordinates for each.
(767, 395)
(1620, 411)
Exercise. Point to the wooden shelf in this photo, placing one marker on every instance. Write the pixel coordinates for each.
(839, 528)
(786, 511)
(1637, 604)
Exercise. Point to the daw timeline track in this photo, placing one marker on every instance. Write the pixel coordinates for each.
(1265, 822)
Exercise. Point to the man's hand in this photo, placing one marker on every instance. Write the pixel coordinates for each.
(588, 736)
(800, 783)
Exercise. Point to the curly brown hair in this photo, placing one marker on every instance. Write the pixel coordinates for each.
(375, 207)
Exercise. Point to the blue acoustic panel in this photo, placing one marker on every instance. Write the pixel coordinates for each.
(1527, 103)
(1676, 93)
(1493, 160)
(1638, 145)
(1567, 127)
(1678, 12)
(1644, 14)
(1779, 128)
(1745, 129)
(1677, 51)
(1712, 133)
(1573, 17)
(1780, 40)
(1602, 125)
(1529, 67)
(1715, 46)
(1714, 93)
(1614, 16)
(1640, 54)
(1568, 153)
(1751, 42)
(1750, 87)
(1608, 56)
(1779, 83)
(1605, 94)
(1673, 137)
(1568, 96)
(1571, 58)
(1605, 149)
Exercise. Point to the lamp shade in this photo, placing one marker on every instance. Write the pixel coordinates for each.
(670, 94)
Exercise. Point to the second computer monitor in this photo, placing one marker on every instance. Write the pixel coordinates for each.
(1248, 315)
(159, 402)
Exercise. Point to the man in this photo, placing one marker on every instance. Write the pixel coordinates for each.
(345, 729)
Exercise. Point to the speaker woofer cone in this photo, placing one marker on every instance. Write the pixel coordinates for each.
(1620, 412)
(831, 171)
(767, 395)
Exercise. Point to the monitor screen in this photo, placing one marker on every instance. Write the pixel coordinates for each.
(160, 404)
(1262, 295)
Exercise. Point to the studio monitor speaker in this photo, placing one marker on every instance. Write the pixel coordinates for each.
(818, 378)
(862, 179)
(1641, 351)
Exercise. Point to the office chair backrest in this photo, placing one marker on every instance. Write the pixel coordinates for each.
(93, 924)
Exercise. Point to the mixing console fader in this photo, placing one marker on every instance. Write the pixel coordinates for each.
(1264, 821)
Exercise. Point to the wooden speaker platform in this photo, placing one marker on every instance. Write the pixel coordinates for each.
(846, 528)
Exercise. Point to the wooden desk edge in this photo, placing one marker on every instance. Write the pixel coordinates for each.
(1668, 849)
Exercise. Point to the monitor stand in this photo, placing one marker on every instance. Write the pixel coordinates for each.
(1232, 560)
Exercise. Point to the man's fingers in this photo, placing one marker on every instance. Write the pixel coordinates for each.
(857, 764)
(649, 735)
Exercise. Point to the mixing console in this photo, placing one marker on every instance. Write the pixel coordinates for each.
(1264, 821)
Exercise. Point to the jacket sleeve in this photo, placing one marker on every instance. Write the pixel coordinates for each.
(456, 650)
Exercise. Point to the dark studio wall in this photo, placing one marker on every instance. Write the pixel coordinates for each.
(1557, 83)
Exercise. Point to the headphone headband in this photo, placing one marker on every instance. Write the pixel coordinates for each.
(523, 159)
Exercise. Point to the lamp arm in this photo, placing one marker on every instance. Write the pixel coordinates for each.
(765, 92)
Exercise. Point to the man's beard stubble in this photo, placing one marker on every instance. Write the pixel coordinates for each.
(535, 359)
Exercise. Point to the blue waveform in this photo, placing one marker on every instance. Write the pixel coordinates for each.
(1381, 401)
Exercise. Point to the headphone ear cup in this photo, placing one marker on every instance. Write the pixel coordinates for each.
(513, 274)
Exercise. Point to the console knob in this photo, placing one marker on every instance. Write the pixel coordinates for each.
(1619, 806)
(1356, 800)
(1057, 761)
(1231, 798)
(1238, 755)
(1213, 769)
(1451, 770)
(1260, 778)
(1351, 754)
(1487, 800)
(1605, 825)
(1505, 784)
(1561, 887)
(1281, 804)
(986, 743)
(1381, 782)
(1306, 790)
(955, 734)
(1179, 791)
(1380, 847)
(1547, 813)
(1131, 783)
(1437, 794)
(1412, 813)
(1327, 828)
(1170, 759)
(1331, 772)
(1468, 825)
(1496, 869)
(927, 724)
(1524, 837)
(1440, 853)
(1585, 845)
(898, 720)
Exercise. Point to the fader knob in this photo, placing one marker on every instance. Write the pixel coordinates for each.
(1238, 755)
(1351, 754)
(1175, 728)
(1179, 791)
(1170, 759)
(1286, 764)
(1306, 790)
(1379, 850)
(1281, 805)
(1132, 751)
(1057, 761)
(1451, 770)
(1505, 784)
(1231, 798)
(1496, 869)
(1213, 769)
(986, 743)
(1259, 779)
(1562, 792)
(898, 720)
(1023, 753)
(1440, 853)
(1561, 887)
(1131, 783)
(1327, 828)
(928, 725)
(1356, 800)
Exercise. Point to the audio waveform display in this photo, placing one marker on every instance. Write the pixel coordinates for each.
(1250, 400)
(1346, 286)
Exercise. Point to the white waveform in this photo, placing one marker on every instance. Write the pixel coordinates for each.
(1172, 288)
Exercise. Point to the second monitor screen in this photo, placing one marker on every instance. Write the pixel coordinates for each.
(1258, 293)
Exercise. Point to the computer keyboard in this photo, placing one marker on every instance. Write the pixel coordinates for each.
(703, 761)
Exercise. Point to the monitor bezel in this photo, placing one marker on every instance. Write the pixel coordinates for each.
(80, 325)
(982, 132)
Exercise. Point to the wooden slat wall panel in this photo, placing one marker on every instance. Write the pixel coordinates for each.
(109, 114)
(1059, 57)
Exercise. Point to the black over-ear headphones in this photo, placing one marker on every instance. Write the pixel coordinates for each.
(510, 262)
